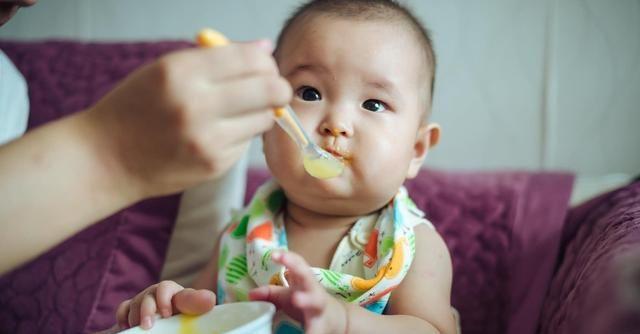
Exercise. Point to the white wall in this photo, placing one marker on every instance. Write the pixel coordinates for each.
(520, 83)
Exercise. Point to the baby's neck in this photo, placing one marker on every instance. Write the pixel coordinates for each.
(306, 219)
(315, 236)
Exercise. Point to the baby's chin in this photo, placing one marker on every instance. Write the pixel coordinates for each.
(337, 206)
(337, 188)
(348, 193)
(333, 197)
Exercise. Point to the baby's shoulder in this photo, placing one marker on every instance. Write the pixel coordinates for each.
(429, 242)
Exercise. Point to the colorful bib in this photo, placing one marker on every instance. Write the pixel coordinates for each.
(370, 261)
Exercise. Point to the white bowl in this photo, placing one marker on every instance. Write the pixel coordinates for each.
(232, 318)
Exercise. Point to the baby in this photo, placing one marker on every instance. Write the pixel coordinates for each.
(351, 254)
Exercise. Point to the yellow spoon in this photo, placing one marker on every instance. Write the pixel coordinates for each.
(317, 162)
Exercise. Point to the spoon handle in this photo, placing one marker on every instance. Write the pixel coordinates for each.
(288, 121)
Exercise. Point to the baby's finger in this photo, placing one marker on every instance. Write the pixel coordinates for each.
(147, 311)
(309, 301)
(299, 271)
(134, 310)
(194, 302)
(164, 293)
(134, 305)
(122, 314)
(278, 295)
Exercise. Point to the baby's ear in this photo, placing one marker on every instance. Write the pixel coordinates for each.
(428, 137)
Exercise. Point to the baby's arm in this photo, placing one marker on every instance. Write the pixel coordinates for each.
(422, 302)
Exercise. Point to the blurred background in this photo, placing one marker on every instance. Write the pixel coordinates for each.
(521, 84)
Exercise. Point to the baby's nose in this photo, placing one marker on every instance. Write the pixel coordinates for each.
(337, 130)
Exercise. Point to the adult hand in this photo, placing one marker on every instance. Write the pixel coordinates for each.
(171, 124)
(189, 116)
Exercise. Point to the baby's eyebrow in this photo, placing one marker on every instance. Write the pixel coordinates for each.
(307, 67)
(384, 85)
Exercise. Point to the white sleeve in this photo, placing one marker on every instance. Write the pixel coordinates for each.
(14, 101)
(203, 213)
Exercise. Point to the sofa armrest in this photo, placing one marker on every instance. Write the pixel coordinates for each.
(596, 288)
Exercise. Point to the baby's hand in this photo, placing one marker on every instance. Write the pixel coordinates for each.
(165, 298)
(305, 300)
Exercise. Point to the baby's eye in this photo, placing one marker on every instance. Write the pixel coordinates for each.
(374, 105)
(309, 93)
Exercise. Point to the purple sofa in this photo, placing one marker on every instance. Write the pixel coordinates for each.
(523, 261)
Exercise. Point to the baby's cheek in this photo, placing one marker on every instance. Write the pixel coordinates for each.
(280, 152)
(386, 163)
(378, 153)
(276, 142)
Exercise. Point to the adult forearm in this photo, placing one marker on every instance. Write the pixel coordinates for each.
(55, 181)
(169, 125)
(361, 320)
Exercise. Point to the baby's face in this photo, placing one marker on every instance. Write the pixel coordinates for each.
(360, 93)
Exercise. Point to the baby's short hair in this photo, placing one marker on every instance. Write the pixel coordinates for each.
(368, 10)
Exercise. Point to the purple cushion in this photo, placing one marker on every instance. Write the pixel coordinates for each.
(76, 286)
(503, 231)
(597, 286)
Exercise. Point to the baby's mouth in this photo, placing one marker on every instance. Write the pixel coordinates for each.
(338, 153)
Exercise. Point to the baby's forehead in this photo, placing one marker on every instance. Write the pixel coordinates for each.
(299, 39)
(380, 12)
(303, 31)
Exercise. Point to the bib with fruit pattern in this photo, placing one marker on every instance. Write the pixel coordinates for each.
(369, 262)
